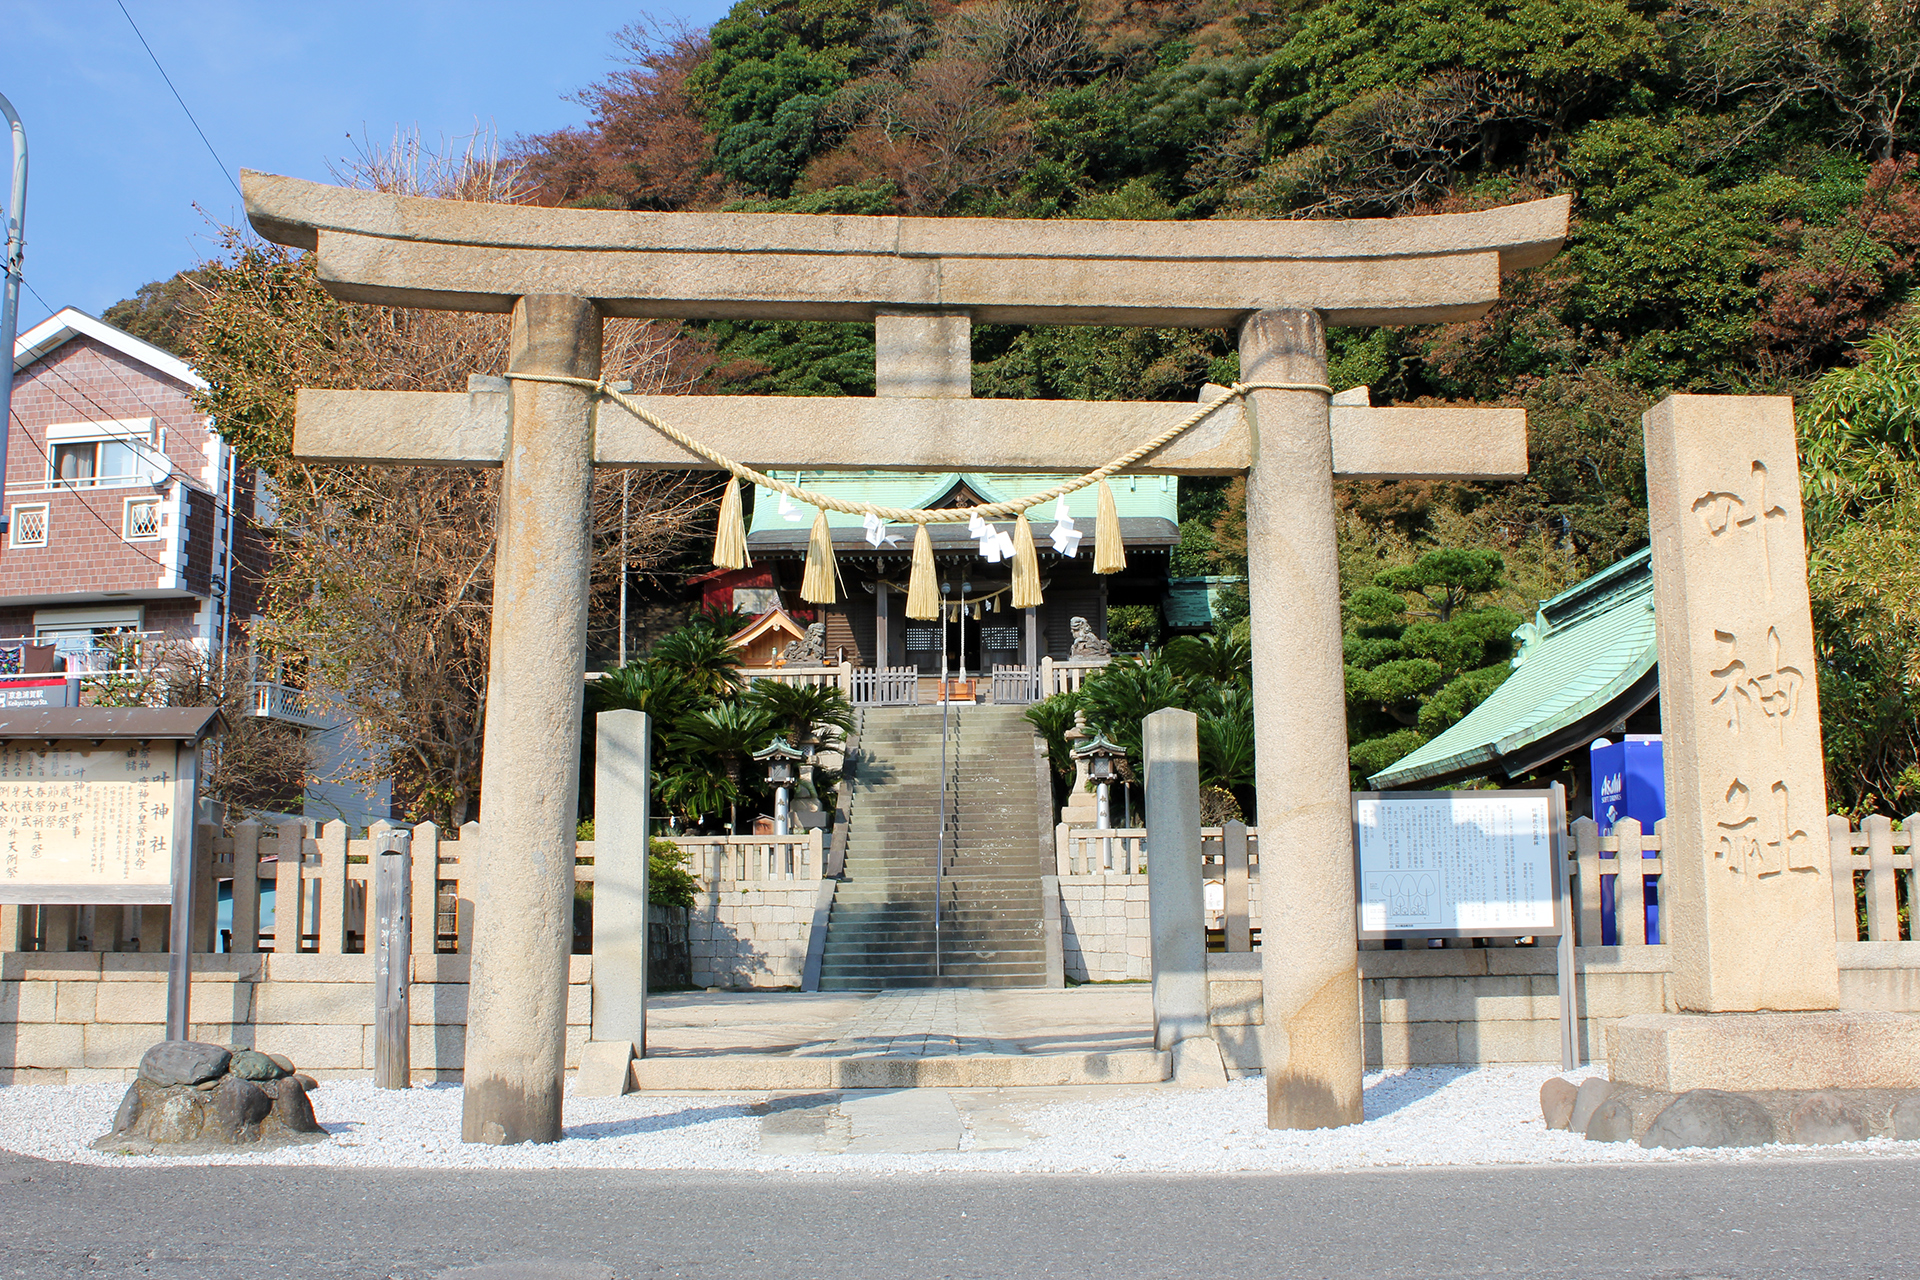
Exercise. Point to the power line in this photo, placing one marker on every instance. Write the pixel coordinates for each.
(221, 164)
(138, 395)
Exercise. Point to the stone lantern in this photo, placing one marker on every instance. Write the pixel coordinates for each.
(781, 757)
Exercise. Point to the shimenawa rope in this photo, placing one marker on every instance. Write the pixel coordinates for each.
(818, 582)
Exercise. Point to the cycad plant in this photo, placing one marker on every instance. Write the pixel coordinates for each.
(727, 735)
(703, 658)
(816, 712)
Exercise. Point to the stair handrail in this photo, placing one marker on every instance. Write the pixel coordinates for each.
(836, 864)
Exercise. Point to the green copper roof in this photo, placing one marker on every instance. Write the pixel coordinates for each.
(1586, 661)
(1132, 495)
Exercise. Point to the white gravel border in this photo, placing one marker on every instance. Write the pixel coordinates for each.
(1420, 1118)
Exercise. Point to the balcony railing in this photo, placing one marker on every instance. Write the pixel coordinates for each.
(284, 702)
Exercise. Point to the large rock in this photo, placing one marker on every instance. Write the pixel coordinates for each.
(1585, 1102)
(1611, 1121)
(1556, 1102)
(183, 1062)
(129, 1110)
(186, 1110)
(1824, 1117)
(291, 1107)
(1904, 1123)
(238, 1103)
(1710, 1118)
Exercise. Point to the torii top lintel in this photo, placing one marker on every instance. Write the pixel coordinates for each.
(464, 256)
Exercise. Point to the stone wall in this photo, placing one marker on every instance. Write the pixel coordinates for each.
(1435, 1007)
(78, 1017)
(752, 937)
(1103, 927)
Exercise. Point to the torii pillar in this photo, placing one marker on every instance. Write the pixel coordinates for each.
(923, 282)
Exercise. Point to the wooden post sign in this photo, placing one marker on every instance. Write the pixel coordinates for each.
(97, 807)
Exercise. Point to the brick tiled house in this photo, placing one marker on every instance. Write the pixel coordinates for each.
(132, 524)
(127, 513)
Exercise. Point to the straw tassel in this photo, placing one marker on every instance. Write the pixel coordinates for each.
(1109, 553)
(817, 584)
(730, 539)
(923, 597)
(1026, 565)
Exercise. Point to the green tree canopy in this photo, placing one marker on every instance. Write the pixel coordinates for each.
(1422, 650)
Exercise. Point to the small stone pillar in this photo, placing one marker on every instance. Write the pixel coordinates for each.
(1176, 909)
(1311, 957)
(530, 769)
(621, 823)
(1746, 904)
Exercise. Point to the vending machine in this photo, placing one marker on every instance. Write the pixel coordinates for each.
(1629, 781)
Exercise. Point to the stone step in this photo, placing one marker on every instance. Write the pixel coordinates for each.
(960, 791)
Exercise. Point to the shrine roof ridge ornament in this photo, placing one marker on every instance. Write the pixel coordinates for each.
(468, 256)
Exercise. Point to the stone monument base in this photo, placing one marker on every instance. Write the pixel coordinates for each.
(1606, 1112)
(1675, 1053)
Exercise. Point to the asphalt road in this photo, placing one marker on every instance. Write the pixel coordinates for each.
(1802, 1219)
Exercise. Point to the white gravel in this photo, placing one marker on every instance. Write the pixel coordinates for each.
(1426, 1117)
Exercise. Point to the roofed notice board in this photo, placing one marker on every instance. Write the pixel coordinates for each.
(87, 823)
(1458, 864)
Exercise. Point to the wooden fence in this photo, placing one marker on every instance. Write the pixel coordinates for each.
(1016, 685)
(1066, 675)
(1607, 906)
(885, 687)
(839, 676)
(328, 896)
(1873, 881)
(1122, 851)
(1870, 888)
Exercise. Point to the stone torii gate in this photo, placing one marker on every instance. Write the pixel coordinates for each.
(922, 282)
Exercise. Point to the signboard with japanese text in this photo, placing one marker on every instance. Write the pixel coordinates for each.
(48, 691)
(1458, 864)
(81, 822)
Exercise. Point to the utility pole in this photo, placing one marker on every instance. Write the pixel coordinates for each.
(10, 304)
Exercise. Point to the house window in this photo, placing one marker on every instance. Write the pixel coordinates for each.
(140, 521)
(95, 639)
(91, 455)
(94, 463)
(30, 525)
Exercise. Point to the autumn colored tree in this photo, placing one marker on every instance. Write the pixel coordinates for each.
(644, 145)
(381, 585)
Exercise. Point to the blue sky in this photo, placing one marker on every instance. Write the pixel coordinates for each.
(117, 170)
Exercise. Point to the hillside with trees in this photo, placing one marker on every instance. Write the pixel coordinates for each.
(1746, 219)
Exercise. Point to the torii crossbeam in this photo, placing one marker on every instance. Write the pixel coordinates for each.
(923, 282)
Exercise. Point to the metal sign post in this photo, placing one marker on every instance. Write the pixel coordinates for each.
(1468, 864)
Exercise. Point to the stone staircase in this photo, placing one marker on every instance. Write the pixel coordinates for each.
(881, 932)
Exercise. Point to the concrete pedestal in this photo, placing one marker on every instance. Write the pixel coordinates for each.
(1750, 1052)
